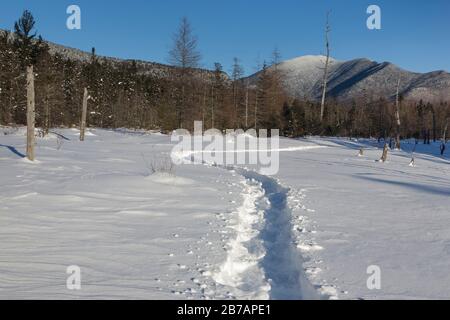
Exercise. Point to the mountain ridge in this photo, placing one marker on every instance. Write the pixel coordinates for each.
(303, 76)
(144, 66)
(357, 78)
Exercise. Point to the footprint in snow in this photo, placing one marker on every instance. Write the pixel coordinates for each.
(190, 291)
(313, 271)
(195, 280)
(310, 247)
(299, 229)
(318, 261)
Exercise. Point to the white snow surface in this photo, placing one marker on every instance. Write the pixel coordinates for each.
(135, 235)
(205, 232)
(302, 74)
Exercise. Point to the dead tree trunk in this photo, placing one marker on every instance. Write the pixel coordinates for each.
(433, 114)
(385, 153)
(30, 113)
(83, 115)
(246, 105)
(325, 75)
(413, 160)
(444, 135)
(47, 118)
(212, 107)
(47, 113)
(182, 107)
(361, 152)
(256, 110)
(204, 107)
(444, 139)
(397, 116)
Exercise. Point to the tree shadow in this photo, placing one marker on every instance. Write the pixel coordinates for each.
(444, 191)
(13, 150)
(59, 135)
(350, 144)
(408, 147)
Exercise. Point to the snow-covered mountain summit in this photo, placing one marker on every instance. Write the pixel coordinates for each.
(303, 78)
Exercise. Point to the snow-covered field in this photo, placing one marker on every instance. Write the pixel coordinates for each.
(368, 213)
(204, 232)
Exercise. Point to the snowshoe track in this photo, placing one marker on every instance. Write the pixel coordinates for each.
(263, 261)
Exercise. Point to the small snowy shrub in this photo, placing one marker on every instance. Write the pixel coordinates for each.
(40, 133)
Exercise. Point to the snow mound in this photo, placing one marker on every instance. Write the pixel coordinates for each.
(170, 179)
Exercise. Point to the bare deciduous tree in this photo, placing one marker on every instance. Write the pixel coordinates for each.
(327, 62)
(184, 55)
(246, 103)
(397, 116)
(276, 57)
(237, 73)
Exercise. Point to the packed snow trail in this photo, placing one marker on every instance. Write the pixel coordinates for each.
(282, 263)
(242, 271)
(263, 261)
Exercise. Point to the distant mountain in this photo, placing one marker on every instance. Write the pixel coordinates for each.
(303, 78)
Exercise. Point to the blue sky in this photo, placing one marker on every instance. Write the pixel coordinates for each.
(414, 35)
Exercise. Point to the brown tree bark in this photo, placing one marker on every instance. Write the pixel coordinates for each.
(47, 112)
(397, 116)
(385, 153)
(30, 113)
(83, 115)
